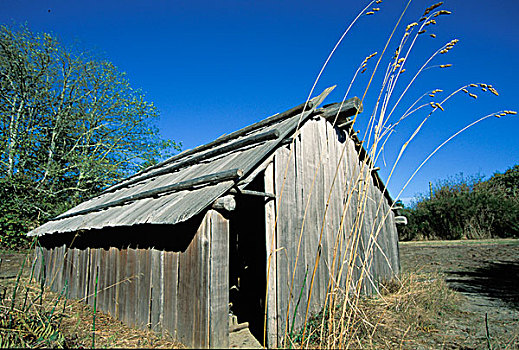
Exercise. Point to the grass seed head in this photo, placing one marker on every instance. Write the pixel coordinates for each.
(473, 95)
(445, 65)
(431, 8)
(376, 8)
(370, 13)
(473, 85)
(465, 91)
(369, 57)
(403, 70)
(409, 26)
(432, 35)
(492, 90)
(422, 31)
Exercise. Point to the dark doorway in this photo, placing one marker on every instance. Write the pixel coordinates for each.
(247, 258)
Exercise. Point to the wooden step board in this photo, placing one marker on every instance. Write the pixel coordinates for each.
(240, 336)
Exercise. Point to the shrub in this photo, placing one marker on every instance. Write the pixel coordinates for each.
(467, 208)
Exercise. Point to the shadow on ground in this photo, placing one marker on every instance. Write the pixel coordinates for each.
(496, 280)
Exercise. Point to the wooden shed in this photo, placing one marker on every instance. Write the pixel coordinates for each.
(217, 231)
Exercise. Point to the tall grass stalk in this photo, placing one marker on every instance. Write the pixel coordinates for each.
(341, 311)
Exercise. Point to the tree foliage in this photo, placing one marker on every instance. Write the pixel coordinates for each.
(467, 208)
(70, 125)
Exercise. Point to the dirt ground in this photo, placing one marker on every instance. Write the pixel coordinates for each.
(486, 273)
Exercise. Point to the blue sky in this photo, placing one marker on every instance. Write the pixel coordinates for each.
(212, 67)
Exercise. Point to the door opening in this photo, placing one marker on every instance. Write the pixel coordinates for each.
(247, 259)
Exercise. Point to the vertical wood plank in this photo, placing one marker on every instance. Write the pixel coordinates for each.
(102, 287)
(270, 234)
(287, 218)
(189, 293)
(67, 270)
(156, 282)
(123, 286)
(80, 275)
(130, 293)
(74, 274)
(218, 281)
(170, 261)
(202, 314)
(144, 287)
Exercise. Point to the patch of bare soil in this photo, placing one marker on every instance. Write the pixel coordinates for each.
(486, 273)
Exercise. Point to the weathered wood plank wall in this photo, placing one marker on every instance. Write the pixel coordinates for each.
(319, 182)
(182, 293)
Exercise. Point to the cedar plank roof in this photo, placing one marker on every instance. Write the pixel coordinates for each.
(184, 185)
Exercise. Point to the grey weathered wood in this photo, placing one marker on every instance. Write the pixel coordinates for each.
(265, 136)
(110, 280)
(317, 141)
(120, 276)
(202, 317)
(338, 113)
(271, 244)
(104, 276)
(157, 289)
(82, 275)
(286, 226)
(218, 281)
(238, 327)
(144, 288)
(131, 288)
(172, 282)
(188, 293)
(74, 283)
(252, 193)
(226, 203)
(202, 180)
(194, 285)
(66, 272)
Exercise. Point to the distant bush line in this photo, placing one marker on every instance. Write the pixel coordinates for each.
(468, 208)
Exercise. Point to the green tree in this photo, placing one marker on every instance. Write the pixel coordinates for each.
(70, 125)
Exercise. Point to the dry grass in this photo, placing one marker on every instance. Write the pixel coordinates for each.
(409, 313)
